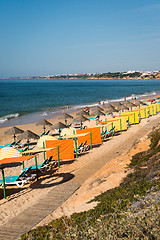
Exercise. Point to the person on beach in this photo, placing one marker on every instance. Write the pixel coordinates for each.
(86, 109)
(99, 103)
(103, 104)
(124, 98)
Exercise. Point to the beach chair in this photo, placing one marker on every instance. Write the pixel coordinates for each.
(8, 145)
(45, 166)
(42, 134)
(19, 180)
(17, 144)
(47, 132)
(109, 133)
(85, 147)
(79, 148)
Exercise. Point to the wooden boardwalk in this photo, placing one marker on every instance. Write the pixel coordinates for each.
(29, 218)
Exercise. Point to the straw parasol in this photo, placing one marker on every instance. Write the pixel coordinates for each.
(130, 104)
(8, 152)
(120, 106)
(140, 103)
(98, 107)
(44, 123)
(110, 108)
(13, 131)
(80, 119)
(98, 112)
(59, 126)
(65, 116)
(82, 112)
(28, 135)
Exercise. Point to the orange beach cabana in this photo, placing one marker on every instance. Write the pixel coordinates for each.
(65, 149)
(94, 136)
(12, 160)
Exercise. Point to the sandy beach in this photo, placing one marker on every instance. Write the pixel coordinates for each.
(109, 174)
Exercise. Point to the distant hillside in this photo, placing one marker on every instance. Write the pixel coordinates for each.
(109, 75)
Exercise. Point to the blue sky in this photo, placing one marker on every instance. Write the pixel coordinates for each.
(45, 37)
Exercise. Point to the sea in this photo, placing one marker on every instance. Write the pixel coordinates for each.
(25, 101)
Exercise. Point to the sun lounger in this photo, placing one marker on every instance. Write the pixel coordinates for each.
(45, 166)
(47, 132)
(85, 147)
(8, 145)
(17, 144)
(109, 133)
(42, 134)
(78, 148)
(20, 180)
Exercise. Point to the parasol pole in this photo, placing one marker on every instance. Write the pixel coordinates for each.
(44, 129)
(58, 156)
(75, 141)
(22, 161)
(44, 155)
(36, 167)
(120, 124)
(102, 135)
(112, 128)
(91, 139)
(4, 188)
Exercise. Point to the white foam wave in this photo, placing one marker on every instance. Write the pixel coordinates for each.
(8, 117)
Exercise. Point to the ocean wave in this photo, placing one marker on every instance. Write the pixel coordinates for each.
(8, 117)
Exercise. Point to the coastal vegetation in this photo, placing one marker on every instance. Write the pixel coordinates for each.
(129, 211)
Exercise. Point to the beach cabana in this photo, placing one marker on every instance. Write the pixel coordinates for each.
(78, 140)
(14, 131)
(95, 135)
(64, 149)
(44, 123)
(41, 141)
(6, 162)
(131, 117)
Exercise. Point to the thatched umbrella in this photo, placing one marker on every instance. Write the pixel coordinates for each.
(59, 126)
(80, 119)
(97, 112)
(65, 116)
(28, 135)
(44, 123)
(13, 131)
(140, 103)
(130, 104)
(98, 107)
(110, 108)
(82, 112)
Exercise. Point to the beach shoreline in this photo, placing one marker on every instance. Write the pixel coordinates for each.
(31, 118)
